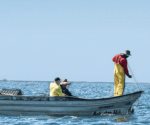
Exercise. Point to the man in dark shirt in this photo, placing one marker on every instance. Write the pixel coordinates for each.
(64, 85)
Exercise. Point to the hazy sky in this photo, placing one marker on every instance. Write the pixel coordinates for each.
(74, 39)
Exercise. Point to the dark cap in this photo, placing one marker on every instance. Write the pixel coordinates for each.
(57, 79)
(65, 82)
(127, 52)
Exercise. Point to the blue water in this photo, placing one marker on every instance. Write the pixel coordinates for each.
(141, 115)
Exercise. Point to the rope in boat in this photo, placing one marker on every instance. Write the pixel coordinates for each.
(134, 78)
(136, 83)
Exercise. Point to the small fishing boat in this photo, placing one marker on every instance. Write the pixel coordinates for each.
(60, 106)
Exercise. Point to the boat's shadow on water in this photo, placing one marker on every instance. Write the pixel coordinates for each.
(72, 120)
(105, 118)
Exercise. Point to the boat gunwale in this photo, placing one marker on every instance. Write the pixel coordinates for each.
(58, 98)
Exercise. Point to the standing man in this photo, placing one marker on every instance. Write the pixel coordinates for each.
(120, 70)
(55, 88)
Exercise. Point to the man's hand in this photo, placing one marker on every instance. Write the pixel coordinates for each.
(130, 76)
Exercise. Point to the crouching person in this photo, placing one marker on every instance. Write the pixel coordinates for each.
(64, 85)
(55, 88)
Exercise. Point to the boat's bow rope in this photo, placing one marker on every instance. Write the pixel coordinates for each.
(134, 78)
(137, 84)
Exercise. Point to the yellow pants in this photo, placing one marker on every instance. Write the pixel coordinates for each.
(119, 80)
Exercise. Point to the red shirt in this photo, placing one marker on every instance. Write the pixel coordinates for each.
(120, 59)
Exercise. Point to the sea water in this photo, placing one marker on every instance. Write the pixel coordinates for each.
(141, 115)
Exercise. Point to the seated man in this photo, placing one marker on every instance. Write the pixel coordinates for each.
(64, 87)
(55, 89)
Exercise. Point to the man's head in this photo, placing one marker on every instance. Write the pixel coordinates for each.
(65, 83)
(127, 53)
(57, 80)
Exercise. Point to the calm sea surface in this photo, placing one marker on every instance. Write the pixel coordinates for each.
(141, 115)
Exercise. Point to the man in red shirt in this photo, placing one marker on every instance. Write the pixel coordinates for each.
(120, 70)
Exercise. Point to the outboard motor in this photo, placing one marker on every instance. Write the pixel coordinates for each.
(12, 92)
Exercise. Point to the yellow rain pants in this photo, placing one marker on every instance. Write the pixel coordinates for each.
(119, 80)
(55, 90)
